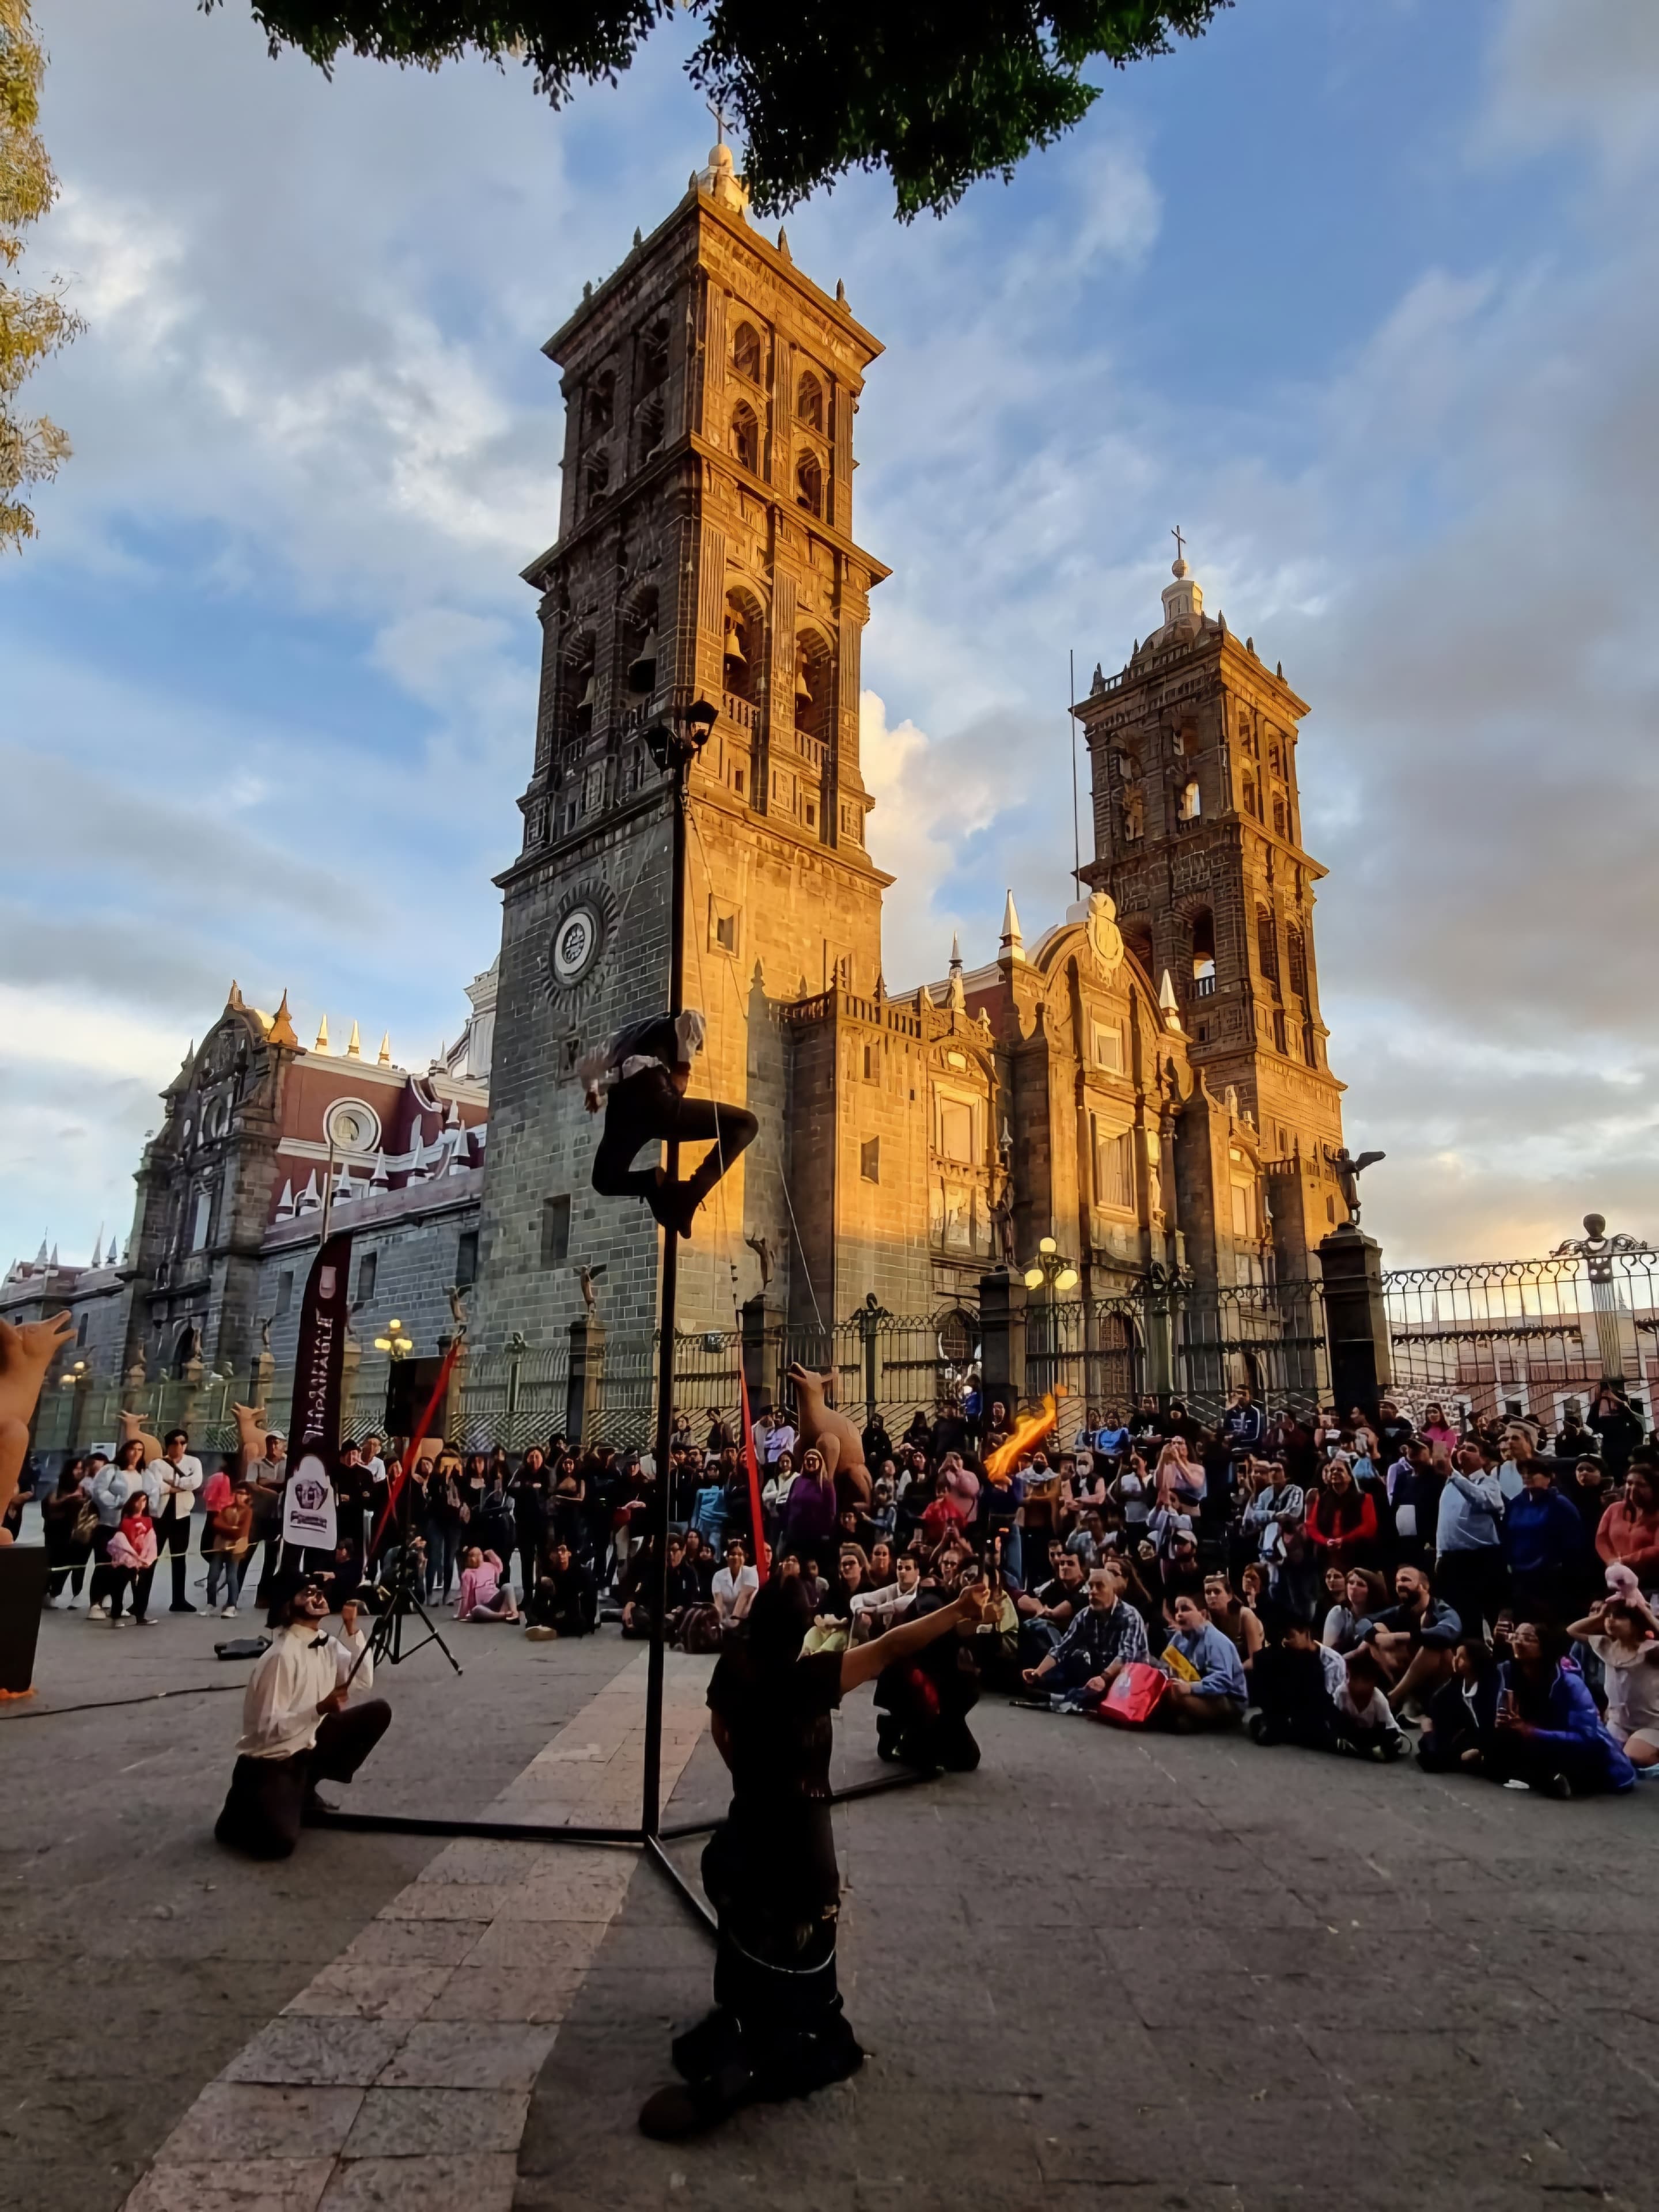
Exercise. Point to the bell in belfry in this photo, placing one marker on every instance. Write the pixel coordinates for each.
(643, 669)
(734, 640)
(803, 689)
(585, 704)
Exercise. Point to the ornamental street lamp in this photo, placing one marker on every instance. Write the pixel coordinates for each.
(396, 1344)
(1051, 1270)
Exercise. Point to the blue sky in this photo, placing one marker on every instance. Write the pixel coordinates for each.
(1361, 295)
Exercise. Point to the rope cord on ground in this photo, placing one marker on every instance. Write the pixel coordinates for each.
(149, 1697)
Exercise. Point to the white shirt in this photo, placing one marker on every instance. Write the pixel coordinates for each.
(886, 1605)
(726, 1592)
(177, 1485)
(305, 1665)
(777, 1441)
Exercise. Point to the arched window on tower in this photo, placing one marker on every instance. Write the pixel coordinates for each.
(1296, 961)
(640, 645)
(746, 352)
(596, 478)
(814, 685)
(601, 403)
(1203, 954)
(653, 355)
(1266, 946)
(1252, 798)
(579, 689)
(809, 402)
(745, 437)
(1279, 818)
(1189, 804)
(809, 485)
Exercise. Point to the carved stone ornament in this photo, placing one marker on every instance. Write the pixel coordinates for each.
(1105, 938)
(580, 940)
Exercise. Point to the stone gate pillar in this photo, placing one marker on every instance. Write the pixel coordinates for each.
(1002, 1304)
(1356, 1319)
(584, 1389)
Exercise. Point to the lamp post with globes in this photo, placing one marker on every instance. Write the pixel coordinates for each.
(1054, 1274)
(673, 744)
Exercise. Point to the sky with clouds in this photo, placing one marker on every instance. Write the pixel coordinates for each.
(1362, 296)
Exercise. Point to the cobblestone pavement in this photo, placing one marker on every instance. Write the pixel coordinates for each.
(1104, 1969)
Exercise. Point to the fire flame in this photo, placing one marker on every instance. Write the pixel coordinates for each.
(1027, 1432)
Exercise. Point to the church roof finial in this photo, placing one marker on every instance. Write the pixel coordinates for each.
(321, 1044)
(1183, 599)
(1012, 942)
(281, 1026)
(719, 178)
(355, 1044)
(386, 1050)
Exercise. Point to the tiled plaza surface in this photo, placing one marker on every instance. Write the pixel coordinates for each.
(1134, 1971)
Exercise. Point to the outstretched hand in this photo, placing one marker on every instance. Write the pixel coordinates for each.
(26, 1350)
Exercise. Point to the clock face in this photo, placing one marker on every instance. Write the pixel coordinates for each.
(575, 942)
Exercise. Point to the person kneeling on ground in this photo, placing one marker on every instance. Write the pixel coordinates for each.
(298, 1729)
(567, 1599)
(483, 1596)
(778, 2029)
(1207, 1688)
(1547, 1732)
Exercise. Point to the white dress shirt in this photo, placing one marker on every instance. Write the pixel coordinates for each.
(305, 1665)
(173, 1486)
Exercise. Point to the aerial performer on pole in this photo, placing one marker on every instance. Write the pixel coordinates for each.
(647, 1067)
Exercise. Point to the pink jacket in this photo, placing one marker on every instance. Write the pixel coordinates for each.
(478, 1587)
(123, 1553)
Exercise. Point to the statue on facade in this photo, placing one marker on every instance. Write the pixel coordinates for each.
(1348, 1171)
(1105, 938)
(762, 1249)
(587, 1277)
(1002, 1223)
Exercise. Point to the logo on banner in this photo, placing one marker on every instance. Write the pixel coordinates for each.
(308, 1507)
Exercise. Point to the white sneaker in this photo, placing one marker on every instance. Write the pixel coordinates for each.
(122, 1620)
(97, 1612)
(145, 1619)
(229, 1613)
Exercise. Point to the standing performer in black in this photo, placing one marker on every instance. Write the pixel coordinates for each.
(648, 1065)
(777, 2029)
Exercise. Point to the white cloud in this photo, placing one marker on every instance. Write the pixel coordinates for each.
(1587, 73)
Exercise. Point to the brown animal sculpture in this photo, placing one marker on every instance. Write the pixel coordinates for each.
(25, 1353)
(132, 1425)
(819, 1427)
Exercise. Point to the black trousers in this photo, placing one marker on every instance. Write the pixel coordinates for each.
(646, 1109)
(264, 1812)
(1474, 1583)
(173, 1535)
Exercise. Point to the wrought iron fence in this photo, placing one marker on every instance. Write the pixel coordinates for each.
(1527, 1336)
(1194, 1344)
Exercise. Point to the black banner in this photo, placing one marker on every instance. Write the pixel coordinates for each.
(314, 1417)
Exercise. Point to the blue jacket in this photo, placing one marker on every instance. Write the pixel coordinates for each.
(1574, 1728)
(1543, 1532)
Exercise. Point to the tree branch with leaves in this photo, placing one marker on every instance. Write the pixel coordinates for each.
(936, 95)
(32, 323)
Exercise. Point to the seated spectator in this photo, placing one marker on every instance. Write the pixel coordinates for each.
(1624, 1634)
(1180, 1573)
(700, 1564)
(1178, 1483)
(1100, 1642)
(1546, 1731)
(1131, 1493)
(1046, 1614)
(1111, 1439)
(483, 1596)
(1365, 1719)
(1088, 1541)
(874, 1611)
(735, 1589)
(1208, 1689)
(1414, 1638)
(881, 1563)
(1233, 1618)
(1293, 1683)
(708, 1510)
(1274, 1508)
(1365, 1594)
(566, 1600)
(1457, 1727)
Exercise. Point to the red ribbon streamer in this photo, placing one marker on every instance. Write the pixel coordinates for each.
(762, 1560)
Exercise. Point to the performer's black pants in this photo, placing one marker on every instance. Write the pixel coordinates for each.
(173, 1535)
(262, 1812)
(646, 1109)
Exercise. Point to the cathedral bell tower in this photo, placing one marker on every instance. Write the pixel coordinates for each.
(1198, 837)
(705, 548)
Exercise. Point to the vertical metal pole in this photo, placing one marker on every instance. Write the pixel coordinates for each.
(650, 1809)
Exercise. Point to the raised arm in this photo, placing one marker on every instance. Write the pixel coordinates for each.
(862, 1663)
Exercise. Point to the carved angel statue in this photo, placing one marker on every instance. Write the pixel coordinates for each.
(762, 1249)
(1348, 1172)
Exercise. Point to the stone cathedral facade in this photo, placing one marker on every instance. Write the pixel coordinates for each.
(1144, 1083)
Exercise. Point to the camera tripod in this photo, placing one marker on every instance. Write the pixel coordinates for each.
(401, 1592)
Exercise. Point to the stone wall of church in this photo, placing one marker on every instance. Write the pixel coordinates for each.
(415, 1261)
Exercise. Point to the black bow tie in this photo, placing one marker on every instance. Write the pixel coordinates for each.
(317, 1643)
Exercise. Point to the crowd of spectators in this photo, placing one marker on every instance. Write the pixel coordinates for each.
(1355, 1583)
